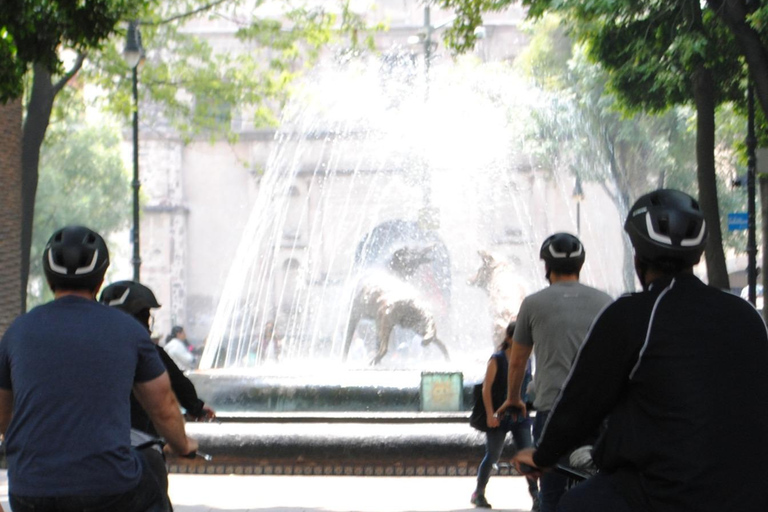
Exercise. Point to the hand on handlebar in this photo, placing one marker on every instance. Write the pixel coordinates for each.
(523, 461)
(206, 414)
(515, 407)
(190, 449)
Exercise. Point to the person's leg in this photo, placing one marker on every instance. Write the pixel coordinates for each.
(522, 437)
(155, 462)
(145, 497)
(521, 434)
(494, 444)
(595, 494)
(551, 485)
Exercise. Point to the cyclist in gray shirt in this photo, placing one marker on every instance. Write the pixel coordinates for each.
(552, 324)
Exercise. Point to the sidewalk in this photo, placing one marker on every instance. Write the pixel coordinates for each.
(234, 493)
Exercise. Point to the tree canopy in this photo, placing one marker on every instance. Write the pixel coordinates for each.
(33, 32)
(188, 84)
(82, 181)
(657, 55)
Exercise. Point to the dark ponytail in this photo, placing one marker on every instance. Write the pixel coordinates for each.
(505, 344)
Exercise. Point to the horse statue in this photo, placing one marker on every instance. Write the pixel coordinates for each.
(506, 290)
(389, 300)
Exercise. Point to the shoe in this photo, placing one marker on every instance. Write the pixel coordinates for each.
(479, 500)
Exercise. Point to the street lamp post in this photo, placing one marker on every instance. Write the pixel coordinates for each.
(751, 171)
(133, 54)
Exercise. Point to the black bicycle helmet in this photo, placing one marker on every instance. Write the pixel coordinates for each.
(128, 296)
(667, 227)
(563, 253)
(75, 258)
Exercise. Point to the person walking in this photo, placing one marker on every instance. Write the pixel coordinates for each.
(67, 369)
(675, 378)
(180, 351)
(552, 324)
(494, 394)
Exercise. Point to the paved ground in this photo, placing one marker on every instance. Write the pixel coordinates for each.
(194, 493)
(233, 493)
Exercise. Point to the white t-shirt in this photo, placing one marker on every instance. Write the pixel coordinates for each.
(180, 354)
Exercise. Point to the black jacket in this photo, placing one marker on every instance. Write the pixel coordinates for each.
(677, 377)
(182, 388)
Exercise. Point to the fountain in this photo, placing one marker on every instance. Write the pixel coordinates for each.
(375, 161)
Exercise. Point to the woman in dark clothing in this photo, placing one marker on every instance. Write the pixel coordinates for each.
(494, 394)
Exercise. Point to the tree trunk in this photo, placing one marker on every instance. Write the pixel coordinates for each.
(621, 199)
(703, 91)
(35, 125)
(11, 298)
(763, 277)
(734, 14)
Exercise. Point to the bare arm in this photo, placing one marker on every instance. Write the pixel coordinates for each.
(517, 362)
(157, 398)
(490, 375)
(6, 409)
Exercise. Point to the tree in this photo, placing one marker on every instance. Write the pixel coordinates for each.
(194, 84)
(10, 213)
(32, 32)
(746, 20)
(82, 181)
(588, 135)
(657, 55)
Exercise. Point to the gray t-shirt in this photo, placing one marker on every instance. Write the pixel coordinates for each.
(555, 321)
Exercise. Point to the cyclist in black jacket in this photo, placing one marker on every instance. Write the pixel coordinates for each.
(137, 300)
(677, 378)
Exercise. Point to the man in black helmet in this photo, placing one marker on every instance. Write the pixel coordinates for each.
(552, 323)
(67, 369)
(676, 377)
(138, 301)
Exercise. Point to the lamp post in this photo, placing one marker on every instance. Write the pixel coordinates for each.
(751, 171)
(578, 195)
(133, 53)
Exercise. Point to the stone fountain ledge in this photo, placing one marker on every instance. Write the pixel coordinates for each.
(363, 445)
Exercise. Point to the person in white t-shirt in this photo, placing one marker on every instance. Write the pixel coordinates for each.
(176, 346)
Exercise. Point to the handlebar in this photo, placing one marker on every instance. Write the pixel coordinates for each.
(198, 453)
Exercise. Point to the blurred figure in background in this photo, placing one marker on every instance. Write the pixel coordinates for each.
(494, 394)
(177, 346)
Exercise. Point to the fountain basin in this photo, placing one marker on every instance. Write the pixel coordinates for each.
(238, 394)
(364, 446)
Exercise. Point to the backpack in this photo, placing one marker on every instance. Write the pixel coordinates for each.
(477, 417)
